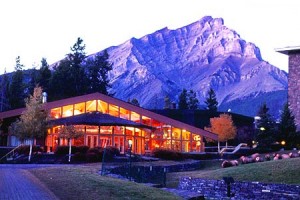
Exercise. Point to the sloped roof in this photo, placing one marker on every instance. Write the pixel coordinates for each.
(96, 119)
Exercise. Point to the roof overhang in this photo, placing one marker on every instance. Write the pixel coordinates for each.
(96, 119)
(288, 50)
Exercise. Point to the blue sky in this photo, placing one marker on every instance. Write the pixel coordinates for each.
(33, 29)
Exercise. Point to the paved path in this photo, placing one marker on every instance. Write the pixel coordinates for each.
(18, 184)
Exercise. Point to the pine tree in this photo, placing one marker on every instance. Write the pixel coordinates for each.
(287, 126)
(69, 79)
(183, 100)
(16, 92)
(97, 69)
(211, 101)
(4, 92)
(44, 75)
(266, 132)
(33, 121)
(192, 100)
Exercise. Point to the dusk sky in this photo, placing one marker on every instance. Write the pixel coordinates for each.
(33, 29)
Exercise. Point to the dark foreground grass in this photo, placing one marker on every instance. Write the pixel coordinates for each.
(83, 182)
(280, 171)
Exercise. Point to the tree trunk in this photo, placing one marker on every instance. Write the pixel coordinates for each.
(70, 149)
(30, 150)
(226, 144)
(219, 146)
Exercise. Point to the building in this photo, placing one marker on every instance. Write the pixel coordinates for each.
(293, 80)
(109, 121)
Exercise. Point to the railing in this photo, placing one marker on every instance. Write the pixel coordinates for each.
(238, 147)
(11, 153)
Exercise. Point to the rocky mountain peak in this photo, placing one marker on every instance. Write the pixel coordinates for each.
(198, 56)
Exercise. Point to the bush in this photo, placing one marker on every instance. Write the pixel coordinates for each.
(79, 157)
(82, 149)
(24, 149)
(94, 154)
(167, 154)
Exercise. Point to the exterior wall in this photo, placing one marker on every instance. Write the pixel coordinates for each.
(294, 86)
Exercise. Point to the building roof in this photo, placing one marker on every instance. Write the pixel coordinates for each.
(123, 104)
(96, 119)
(288, 50)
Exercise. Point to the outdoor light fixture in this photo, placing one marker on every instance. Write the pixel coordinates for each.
(282, 143)
(262, 128)
(130, 143)
(130, 148)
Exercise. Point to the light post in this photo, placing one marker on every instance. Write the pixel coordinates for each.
(130, 148)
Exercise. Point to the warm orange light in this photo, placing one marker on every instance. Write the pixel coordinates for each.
(282, 142)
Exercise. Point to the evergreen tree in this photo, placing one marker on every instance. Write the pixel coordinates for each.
(97, 69)
(211, 101)
(134, 101)
(33, 81)
(16, 92)
(69, 79)
(33, 121)
(287, 126)
(266, 127)
(4, 92)
(183, 100)
(44, 75)
(192, 100)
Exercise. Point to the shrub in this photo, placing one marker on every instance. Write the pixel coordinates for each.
(82, 149)
(64, 150)
(167, 154)
(24, 149)
(94, 154)
(79, 157)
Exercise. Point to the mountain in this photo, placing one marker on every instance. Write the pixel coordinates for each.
(198, 56)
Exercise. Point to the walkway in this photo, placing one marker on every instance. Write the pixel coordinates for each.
(18, 184)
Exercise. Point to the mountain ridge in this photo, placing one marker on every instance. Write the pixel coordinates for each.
(198, 56)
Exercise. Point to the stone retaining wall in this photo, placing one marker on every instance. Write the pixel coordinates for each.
(217, 189)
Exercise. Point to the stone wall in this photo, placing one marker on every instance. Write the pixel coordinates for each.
(217, 189)
(294, 85)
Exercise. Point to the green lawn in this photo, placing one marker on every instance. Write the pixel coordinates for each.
(83, 182)
(279, 171)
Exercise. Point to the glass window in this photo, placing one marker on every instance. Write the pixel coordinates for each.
(146, 120)
(114, 110)
(92, 130)
(118, 130)
(185, 146)
(135, 117)
(129, 130)
(91, 106)
(105, 129)
(167, 132)
(102, 107)
(137, 132)
(55, 113)
(176, 145)
(185, 135)
(79, 108)
(67, 111)
(196, 142)
(124, 113)
(176, 133)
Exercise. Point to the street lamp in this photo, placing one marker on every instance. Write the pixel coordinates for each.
(130, 148)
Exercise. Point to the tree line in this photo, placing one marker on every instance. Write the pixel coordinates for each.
(75, 75)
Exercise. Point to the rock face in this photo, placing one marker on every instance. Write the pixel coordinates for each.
(198, 56)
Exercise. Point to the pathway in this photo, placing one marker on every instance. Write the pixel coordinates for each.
(16, 183)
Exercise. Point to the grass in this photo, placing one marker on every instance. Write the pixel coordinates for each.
(279, 171)
(84, 182)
